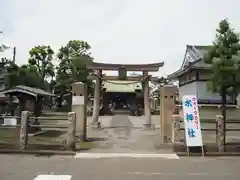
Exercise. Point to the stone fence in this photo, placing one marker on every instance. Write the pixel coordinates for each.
(219, 129)
(207, 111)
(69, 126)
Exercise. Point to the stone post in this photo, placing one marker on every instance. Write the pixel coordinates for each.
(71, 138)
(175, 129)
(167, 108)
(96, 103)
(79, 106)
(24, 130)
(220, 133)
(147, 110)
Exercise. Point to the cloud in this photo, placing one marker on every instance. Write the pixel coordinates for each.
(119, 31)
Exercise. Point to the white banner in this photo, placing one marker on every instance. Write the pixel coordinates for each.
(193, 132)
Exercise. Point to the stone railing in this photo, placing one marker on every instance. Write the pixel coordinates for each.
(219, 129)
(69, 126)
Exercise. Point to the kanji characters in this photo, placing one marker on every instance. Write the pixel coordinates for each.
(188, 103)
(191, 132)
(189, 117)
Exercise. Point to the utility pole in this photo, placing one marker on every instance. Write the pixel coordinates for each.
(14, 54)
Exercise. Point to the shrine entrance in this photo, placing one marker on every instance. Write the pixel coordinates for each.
(124, 91)
(113, 94)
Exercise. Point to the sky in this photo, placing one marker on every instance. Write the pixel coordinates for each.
(119, 31)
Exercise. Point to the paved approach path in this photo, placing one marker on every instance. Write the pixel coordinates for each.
(123, 133)
(197, 168)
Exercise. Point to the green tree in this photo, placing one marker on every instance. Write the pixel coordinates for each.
(73, 59)
(163, 81)
(25, 75)
(2, 46)
(41, 58)
(4, 62)
(160, 81)
(224, 60)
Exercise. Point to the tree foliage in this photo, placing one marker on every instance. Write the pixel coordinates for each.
(161, 81)
(224, 59)
(32, 74)
(73, 59)
(41, 61)
(24, 75)
(3, 47)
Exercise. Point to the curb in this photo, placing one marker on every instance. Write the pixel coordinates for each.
(34, 152)
(209, 154)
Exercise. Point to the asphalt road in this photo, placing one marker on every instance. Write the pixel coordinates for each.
(28, 167)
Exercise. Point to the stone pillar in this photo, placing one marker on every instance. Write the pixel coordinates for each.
(96, 102)
(175, 129)
(71, 138)
(167, 108)
(147, 110)
(24, 130)
(220, 133)
(79, 106)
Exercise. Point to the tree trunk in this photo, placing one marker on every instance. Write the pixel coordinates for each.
(224, 112)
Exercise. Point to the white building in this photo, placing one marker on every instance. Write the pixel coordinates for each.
(194, 74)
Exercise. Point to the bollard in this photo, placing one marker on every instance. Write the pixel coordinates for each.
(220, 133)
(71, 138)
(24, 130)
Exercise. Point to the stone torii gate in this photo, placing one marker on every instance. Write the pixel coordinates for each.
(122, 75)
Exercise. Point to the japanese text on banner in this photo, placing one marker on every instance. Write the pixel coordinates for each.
(191, 120)
(193, 115)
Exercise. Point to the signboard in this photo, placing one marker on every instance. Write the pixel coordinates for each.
(78, 100)
(10, 121)
(191, 121)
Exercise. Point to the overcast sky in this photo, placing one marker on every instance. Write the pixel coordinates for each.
(119, 31)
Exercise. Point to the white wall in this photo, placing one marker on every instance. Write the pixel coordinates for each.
(204, 93)
(187, 89)
(200, 89)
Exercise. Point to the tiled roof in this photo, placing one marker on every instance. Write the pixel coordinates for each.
(27, 90)
(195, 53)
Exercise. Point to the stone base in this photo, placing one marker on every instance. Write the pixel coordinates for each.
(81, 137)
(96, 125)
(148, 126)
(166, 140)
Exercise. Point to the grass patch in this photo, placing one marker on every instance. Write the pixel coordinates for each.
(51, 134)
(47, 137)
(85, 145)
(9, 135)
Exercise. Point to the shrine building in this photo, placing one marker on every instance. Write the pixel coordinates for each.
(194, 74)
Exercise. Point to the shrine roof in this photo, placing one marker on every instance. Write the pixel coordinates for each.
(192, 60)
(152, 67)
(27, 90)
